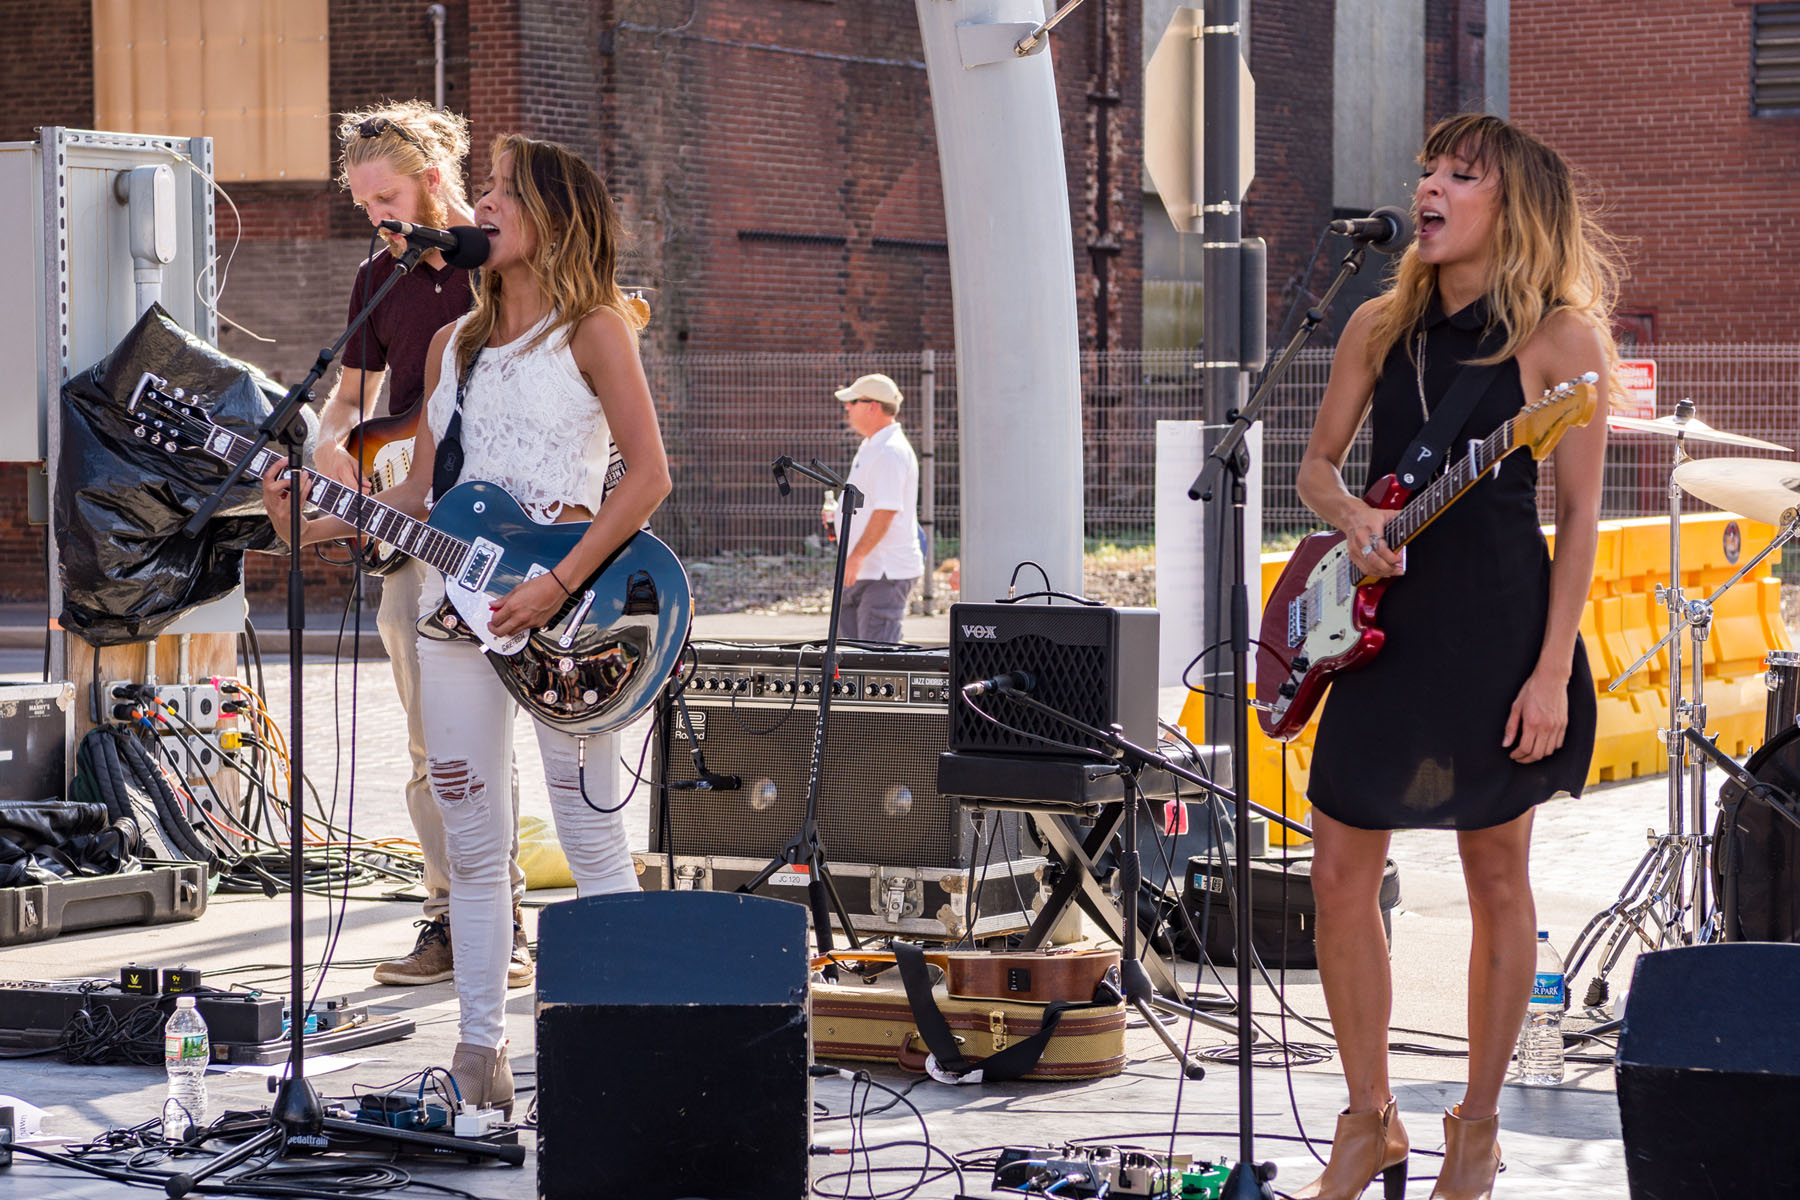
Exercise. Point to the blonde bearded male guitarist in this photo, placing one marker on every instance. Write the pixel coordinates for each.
(402, 161)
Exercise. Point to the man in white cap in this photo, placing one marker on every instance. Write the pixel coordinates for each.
(885, 559)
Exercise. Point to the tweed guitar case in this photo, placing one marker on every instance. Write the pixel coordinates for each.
(879, 1022)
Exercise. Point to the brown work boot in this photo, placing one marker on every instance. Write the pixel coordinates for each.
(429, 962)
(520, 970)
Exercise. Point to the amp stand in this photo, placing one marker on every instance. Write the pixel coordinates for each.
(1140, 992)
(804, 849)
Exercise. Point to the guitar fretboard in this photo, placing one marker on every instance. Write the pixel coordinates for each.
(380, 521)
(1462, 475)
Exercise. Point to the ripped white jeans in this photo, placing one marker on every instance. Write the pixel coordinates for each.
(468, 741)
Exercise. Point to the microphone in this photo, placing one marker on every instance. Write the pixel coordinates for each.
(464, 246)
(781, 478)
(1012, 681)
(707, 783)
(1386, 230)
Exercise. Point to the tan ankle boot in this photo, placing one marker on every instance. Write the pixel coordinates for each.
(483, 1076)
(1366, 1144)
(1471, 1157)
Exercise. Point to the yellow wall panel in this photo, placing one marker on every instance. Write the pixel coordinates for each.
(253, 75)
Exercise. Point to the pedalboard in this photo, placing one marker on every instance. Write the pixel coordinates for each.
(1117, 1172)
(246, 1028)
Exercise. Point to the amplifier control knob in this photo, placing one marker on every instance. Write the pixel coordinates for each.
(887, 689)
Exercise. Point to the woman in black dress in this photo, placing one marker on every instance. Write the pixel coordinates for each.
(1480, 705)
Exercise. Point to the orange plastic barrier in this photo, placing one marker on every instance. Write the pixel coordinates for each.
(1623, 619)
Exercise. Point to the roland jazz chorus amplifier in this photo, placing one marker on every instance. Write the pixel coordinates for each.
(902, 854)
(1093, 663)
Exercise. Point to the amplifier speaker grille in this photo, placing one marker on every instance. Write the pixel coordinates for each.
(1097, 665)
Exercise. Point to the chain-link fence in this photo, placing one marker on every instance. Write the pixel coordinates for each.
(728, 416)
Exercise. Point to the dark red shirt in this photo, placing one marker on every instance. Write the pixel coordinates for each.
(398, 333)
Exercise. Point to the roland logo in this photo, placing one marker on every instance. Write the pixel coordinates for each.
(985, 632)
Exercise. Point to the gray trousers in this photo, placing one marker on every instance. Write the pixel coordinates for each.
(872, 608)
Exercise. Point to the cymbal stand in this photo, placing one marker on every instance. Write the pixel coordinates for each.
(1667, 899)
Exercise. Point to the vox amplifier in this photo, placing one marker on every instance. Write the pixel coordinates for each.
(1095, 664)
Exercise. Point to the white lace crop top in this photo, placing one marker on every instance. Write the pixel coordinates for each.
(530, 423)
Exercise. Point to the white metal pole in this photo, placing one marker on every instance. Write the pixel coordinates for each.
(1012, 274)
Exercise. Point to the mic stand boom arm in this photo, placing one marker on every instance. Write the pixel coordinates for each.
(1230, 444)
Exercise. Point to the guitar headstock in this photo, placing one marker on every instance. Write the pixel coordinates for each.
(1539, 426)
(166, 417)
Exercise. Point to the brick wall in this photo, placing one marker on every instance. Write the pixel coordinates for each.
(775, 161)
(1706, 194)
(777, 166)
(1289, 201)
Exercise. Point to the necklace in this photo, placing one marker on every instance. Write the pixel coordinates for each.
(1419, 375)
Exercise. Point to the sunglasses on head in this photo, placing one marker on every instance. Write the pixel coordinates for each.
(376, 126)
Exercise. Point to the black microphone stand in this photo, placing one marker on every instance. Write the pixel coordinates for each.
(804, 848)
(1249, 1180)
(297, 1121)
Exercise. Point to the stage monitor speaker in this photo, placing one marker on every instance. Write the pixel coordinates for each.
(1708, 1072)
(1096, 664)
(754, 708)
(672, 1048)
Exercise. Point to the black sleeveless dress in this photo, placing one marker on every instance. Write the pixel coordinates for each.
(1413, 739)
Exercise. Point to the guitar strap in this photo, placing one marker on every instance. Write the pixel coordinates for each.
(1426, 456)
(447, 467)
(1010, 1063)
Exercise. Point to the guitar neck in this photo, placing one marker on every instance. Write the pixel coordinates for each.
(1462, 475)
(379, 521)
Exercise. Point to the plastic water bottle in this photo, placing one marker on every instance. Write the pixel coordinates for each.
(1540, 1051)
(187, 1049)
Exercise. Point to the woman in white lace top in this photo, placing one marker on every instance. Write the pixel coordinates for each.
(550, 359)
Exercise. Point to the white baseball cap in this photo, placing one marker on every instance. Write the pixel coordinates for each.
(871, 387)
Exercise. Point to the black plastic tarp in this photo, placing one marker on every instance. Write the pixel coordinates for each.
(127, 569)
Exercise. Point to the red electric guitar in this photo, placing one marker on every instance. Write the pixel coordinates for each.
(1320, 618)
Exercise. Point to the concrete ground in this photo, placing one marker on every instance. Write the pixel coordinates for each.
(1567, 1137)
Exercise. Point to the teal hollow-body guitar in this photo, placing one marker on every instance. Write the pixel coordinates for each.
(599, 663)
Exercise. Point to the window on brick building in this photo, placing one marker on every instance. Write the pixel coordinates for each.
(251, 74)
(1634, 328)
(1775, 60)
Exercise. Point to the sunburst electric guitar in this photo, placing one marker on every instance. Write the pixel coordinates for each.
(1321, 617)
(598, 663)
(382, 448)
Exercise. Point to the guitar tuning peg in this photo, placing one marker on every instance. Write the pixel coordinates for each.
(179, 393)
(137, 431)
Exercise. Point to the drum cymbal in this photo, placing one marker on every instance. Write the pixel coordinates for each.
(1693, 428)
(1759, 488)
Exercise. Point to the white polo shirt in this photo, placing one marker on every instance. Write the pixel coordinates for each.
(886, 472)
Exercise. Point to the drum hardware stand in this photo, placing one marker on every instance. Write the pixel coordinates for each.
(804, 849)
(1666, 901)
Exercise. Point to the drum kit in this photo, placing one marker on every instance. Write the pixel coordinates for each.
(1672, 897)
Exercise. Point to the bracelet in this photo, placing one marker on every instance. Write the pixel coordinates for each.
(561, 584)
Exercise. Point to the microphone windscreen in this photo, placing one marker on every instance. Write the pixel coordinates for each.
(471, 248)
(1401, 220)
